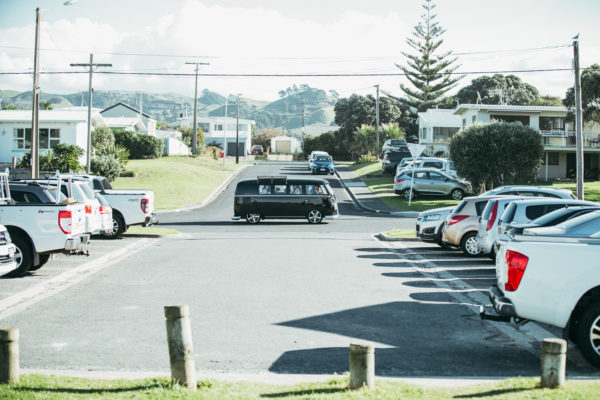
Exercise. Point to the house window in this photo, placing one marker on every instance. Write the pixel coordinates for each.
(464, 122)
(552, 158)
(49, 138)
(22, 138)
(552, 123)
(218, 127)
(205, 126)
(443, 133)
(474, 119)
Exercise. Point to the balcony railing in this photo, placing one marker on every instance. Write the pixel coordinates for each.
(565, 139)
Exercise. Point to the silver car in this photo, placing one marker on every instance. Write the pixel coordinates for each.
(587, 225)
(430, 181)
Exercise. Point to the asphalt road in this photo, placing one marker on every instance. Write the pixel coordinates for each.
(280, 296)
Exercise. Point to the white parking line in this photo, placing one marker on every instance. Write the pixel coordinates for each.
(26, 298)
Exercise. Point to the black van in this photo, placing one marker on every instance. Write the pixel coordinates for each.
(280, 197)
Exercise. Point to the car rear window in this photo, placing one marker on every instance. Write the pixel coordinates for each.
(460, 207)
(488, 209)
(479, 206)
(24, 197)
(509, 213)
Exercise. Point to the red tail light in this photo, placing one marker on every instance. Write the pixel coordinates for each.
(492, 218)
(88, 209)
(65, 221)
(399, 180)
(387, 158)
(145, 205)
(517, 263)
(103, 210)
(457, 218)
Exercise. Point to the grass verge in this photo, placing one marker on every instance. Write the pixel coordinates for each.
(591, 190)
(177, 181)
(400, 233)
(383, 187)
(54, 387)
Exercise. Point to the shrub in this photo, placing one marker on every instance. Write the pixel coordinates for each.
(118, 151)
(212, 152)
(139, 146)
(127, 174)
(66, 157)
(102, 137)
(108, 166)
(366, 158)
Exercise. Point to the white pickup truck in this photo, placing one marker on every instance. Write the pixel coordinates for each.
(7, 252)
(38, 230)
(129, 207)
(553, 280)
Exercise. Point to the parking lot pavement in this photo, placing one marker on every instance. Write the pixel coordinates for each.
(467, 280)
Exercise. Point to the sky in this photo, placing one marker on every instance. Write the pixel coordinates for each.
(286, 37)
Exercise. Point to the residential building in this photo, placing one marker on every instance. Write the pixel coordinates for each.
(559, 137)
(123, 116)
(436, 129)
(55, 126)
(221, 132)
(285, 145)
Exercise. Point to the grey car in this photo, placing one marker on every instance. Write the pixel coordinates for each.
(430, 181)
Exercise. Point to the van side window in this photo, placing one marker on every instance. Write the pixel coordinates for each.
(310, 189)
(280, 189)
(295, 189)
(264, 189)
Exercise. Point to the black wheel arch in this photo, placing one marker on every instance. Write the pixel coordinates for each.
(590, 297)
(15, 230)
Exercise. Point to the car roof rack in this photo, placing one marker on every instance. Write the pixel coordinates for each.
(272, 180)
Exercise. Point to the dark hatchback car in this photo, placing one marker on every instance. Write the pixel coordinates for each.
(282, 197)
(391, 159)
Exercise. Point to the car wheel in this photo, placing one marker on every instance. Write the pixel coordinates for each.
(43, 260)
(118, 227)
(438, 240)
(457, 194)
(253, 218)
(588, 334)
(314, 216)
(23, 256)
(468, 244)
(408, 194)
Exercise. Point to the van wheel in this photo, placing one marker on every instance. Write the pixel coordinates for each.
(253, 218)
(23, 256)
(408, 194)
(314, 216)
(588, 334)
(457, 194)
(468, 244)
(43, 260)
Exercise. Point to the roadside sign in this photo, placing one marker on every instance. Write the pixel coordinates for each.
(416, 149)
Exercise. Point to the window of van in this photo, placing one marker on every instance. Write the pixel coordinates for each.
(280, 189)
(264, 189)
(295, 189)
(315, 189)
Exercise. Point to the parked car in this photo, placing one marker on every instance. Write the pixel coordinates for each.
(257, 149)
(488, 222)
(391, 159)
(282, 197)
(394, 145)
(429, 223)
(551, 280)
(430, 181)
(552, 218)
(460, 228)
(586, 225)
(442, 164)
(322, 164)
(7, 252)
(312, 155)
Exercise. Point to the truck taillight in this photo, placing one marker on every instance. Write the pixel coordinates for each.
(145, 205)
(103, 210)
(65, 221)
(493, 215)
(88, 209)
(456, 218)
(516, 263)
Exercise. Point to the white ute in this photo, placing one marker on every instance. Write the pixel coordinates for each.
(39, 230)
(552, 280)
(7, 252)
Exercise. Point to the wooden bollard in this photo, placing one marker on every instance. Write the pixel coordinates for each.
(553, 363)
(181, 349)
(9, 355)
(362, 366)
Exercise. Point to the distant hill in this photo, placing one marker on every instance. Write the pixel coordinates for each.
(285, 112)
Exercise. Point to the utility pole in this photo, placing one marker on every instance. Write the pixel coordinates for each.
(35, 108)
(237, 130)
(195, 129)
(91, 66)
(303, 113)
(377, 122)
(578, 119)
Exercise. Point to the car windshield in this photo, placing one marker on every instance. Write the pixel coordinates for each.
(323, 158)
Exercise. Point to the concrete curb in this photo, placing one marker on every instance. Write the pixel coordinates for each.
(407, 214)
(211, 196)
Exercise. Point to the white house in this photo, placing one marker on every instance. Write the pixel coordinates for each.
(436, 129)
(55, 126)
(221, 132)
(123, 116)
(559, 137)
(285, 145)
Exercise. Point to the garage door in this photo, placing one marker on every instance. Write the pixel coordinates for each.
(231, 149)
(284, 146)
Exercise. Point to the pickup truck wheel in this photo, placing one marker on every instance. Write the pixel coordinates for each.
(588, 334)
(468, 244)
(43, 260)
(314, 216)
(117, 229)
(253, 218)
(23, 256)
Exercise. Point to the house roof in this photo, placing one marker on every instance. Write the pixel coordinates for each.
(440, 118)
(123, 122)
(461, 108)
(50, 116)
(129, 107)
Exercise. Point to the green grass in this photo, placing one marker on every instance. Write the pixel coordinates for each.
(400, 233)
(383, 186)
(177, 181)
(54, 387)
(591, 190)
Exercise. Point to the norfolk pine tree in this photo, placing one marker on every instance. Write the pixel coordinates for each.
(429, 73)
